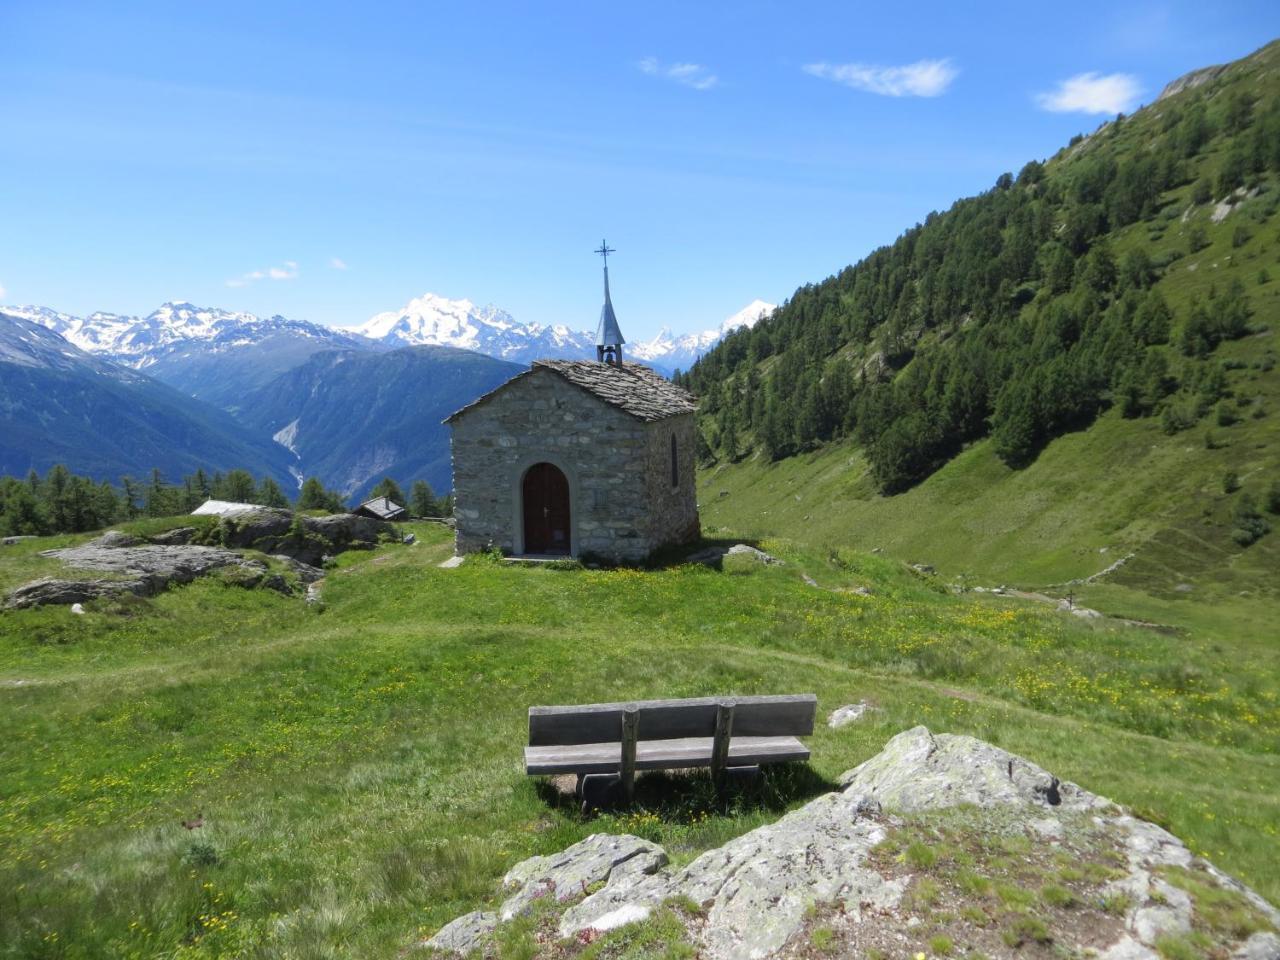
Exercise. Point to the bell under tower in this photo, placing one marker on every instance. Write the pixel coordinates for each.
(609, 339)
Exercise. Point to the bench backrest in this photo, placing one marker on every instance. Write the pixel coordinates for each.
(765, 716)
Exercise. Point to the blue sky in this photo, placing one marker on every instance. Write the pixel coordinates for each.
(331, 160)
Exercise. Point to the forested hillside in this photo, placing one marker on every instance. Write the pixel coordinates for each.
(1103, 278)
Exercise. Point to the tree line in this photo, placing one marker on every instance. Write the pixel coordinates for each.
(64, 502)
(1012, 315)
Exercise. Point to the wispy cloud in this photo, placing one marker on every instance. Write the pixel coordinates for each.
(288, 271)
(337, 263)
(924, 78)
(690, 74)
(1092, 93)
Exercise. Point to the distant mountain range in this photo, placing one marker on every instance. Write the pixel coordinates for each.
(59, 404)
(200, 386)
(437, 321)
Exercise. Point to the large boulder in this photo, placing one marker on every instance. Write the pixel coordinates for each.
(142, 569)
(50, 590)
(848, 857)
(618, 861)
(309, 540)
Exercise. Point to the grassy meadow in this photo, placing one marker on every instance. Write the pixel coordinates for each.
(356, 767)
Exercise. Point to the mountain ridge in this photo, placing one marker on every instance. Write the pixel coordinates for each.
(59, 404)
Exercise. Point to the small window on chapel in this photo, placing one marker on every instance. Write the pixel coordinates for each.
(675, 464)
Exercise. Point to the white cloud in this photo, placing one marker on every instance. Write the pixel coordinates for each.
(690, 74)
(1092, 93)
(924, 78)
(337, 263)
(288, 271)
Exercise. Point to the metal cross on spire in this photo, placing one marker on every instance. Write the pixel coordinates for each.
(604, 251)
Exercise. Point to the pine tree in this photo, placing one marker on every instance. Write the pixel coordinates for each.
(422, 501)
(386, 487)
(269, 494)
(313, 495)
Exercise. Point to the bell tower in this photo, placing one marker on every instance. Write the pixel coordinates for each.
(609, 339)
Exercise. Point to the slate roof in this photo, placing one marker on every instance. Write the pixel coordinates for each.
(632, 388)
(382, 508)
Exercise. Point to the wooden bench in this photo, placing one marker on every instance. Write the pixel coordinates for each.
(621, 738)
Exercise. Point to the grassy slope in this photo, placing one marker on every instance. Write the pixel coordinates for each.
(358, 767)
(1122, 485)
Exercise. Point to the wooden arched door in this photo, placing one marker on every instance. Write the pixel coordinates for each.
(545, 497)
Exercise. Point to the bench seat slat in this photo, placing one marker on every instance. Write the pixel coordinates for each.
(659, 754)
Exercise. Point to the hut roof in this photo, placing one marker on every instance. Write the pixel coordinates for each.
(633, 388)
(382, 508)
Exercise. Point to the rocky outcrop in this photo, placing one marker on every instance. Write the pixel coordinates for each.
(619, 862)
(1189, 81)
(309, 539)
(850, 854)
(142, 570)
(147, 567)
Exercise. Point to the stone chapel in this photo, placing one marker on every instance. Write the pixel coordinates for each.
(577, 458)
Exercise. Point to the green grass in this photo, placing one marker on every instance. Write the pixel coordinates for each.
(358, 766)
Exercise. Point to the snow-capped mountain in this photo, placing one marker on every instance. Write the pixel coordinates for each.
(438, 321)
(216, 355)
(433, 320)
(61, 404)
(139, 342)
(672, 352)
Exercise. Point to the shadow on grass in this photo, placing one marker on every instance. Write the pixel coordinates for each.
(707, 550)
(678, 795)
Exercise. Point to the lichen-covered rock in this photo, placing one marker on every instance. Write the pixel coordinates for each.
(179, 536)
(309, 539)
(49, 590)
(849, 713)
(918, 771)
(617, 861)
(758, 890)
(465, 934)
(753, 553)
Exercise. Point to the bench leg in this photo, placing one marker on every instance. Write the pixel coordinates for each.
(720, 745)
(630, 733)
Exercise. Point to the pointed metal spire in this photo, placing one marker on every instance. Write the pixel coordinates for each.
(609, 338)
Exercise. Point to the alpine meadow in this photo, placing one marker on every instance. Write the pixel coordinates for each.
(928, 615)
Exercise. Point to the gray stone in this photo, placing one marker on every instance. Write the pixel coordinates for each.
(924, 568)
(1260, 946)
(175, 537)
(1127, 948)
(746, 550)
(618, 861)
(918, 771)
(54, 591)
(145, 569)
(10, 541)
(843, 716)
(452, 563)
(305, 572)
(465, 934)
(272, 531)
